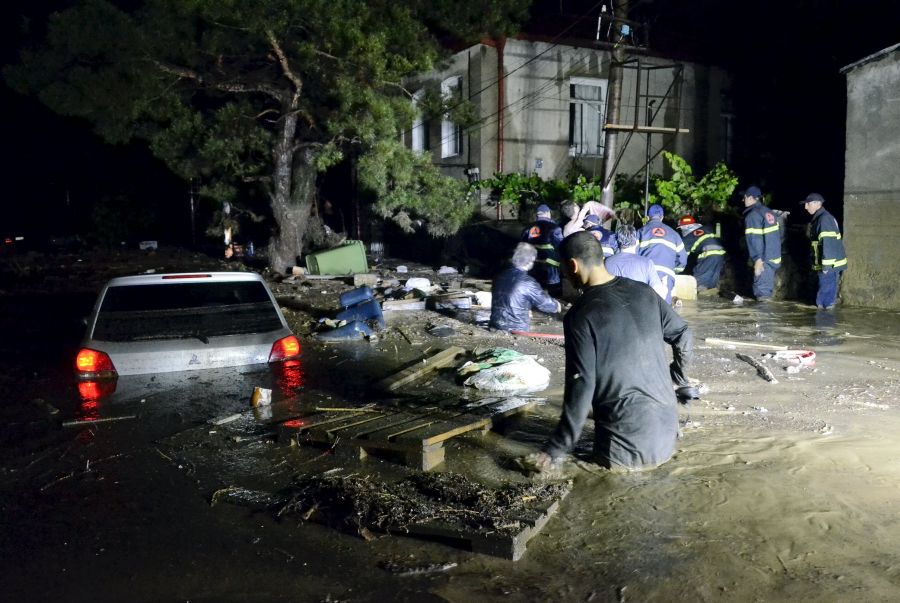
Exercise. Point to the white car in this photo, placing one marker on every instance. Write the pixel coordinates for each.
(162, 323)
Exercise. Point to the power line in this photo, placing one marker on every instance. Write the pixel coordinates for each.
(484, 120)
(555, 41)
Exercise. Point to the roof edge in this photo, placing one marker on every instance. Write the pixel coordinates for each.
(870, 58)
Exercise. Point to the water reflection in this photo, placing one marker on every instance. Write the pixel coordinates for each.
(825, 319)
(289, 377)
(91, 393)
(89, 410)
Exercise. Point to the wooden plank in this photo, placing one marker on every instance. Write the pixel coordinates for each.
(313, 421)
(391, 423)
(467, 420)
(290, 428)
(426, 459)
(417, 426)
(745, 344)
(430, 439)
(332, 429)
(763, 371)
(420, 368)
(402, 305)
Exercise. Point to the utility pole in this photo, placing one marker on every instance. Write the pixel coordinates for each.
(647, 157)
(193, 215)
(613, 109)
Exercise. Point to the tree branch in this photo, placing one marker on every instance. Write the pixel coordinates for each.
(285, 66)
(385, 82)
(308, 145)
(397, 85)
(224, 86)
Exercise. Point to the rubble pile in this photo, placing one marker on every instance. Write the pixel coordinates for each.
(356, 502)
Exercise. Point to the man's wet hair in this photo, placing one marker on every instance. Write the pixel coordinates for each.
(626, 235)
(524, 256)
(568, 209)
(584, 247)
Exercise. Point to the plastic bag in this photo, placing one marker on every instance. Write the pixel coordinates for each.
(523, 374)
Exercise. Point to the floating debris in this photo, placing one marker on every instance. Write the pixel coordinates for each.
(354, 502)
(399, 569)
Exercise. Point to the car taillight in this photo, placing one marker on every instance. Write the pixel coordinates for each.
(284, 348)
(92, 362)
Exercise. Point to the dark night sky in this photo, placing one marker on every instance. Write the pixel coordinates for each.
(785, 57)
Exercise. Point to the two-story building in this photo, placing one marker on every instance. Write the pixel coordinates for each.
(541, 107)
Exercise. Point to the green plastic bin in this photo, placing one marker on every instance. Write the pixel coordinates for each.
(349, 258)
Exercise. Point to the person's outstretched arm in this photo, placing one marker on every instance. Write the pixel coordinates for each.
(581, 378)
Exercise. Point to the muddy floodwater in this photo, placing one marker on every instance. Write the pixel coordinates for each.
(786, 491)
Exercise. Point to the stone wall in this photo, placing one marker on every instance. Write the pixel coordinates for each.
(872, 183)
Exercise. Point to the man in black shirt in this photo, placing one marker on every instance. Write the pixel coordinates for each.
(616, 364)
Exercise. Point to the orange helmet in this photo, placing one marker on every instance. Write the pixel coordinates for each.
(686, 220)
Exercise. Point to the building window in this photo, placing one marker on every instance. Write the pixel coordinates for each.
(451, 134)
(419, 133)
(587, 114)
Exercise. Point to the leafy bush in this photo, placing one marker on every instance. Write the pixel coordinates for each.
(684, 194)
(680, 194)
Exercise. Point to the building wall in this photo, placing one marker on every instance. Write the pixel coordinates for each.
(537, 106)
(872, 184)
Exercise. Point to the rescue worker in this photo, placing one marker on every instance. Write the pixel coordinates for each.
(617, 366)
(763, 236)
(545, 235)
(830, 259)
(629, 264)
(663, 245)
(607, 239)
(702, 243)
(514, 293)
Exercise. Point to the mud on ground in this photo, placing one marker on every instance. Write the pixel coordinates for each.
(779, 491)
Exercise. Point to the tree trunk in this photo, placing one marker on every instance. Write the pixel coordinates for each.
(292, 197)
(292, 214)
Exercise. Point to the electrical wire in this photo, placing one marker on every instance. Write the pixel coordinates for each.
(554, 42)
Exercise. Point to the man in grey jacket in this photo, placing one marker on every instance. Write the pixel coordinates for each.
(514, 293)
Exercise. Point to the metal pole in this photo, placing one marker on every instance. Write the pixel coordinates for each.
(193, 215)
(647, 164)
(616, 75)
(501, 101)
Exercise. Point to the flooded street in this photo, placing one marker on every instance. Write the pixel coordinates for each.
(779, 491)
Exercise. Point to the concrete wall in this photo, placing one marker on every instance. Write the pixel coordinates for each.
(872, 184)
(537, 118)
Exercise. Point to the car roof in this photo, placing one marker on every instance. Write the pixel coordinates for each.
(176, 278)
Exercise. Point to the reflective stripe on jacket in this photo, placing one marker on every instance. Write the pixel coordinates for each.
(546, 236)
(824, 229)
(662, 245)
(763, 234)
(608, 240)
(703, 242)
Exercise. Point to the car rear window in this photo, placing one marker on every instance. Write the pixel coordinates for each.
(202, 310)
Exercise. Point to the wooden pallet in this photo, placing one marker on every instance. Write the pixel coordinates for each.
(508, 546)
(417, 435)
